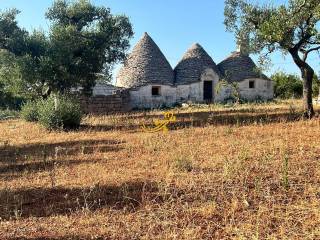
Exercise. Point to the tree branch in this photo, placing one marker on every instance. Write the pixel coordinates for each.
(306, 53)
(313, 43)
(300, 7)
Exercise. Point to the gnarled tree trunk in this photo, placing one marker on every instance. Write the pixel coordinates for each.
(307, 75)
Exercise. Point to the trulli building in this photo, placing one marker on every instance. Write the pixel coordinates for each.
(152, 82)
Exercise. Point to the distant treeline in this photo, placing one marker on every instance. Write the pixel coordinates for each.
(291, 86)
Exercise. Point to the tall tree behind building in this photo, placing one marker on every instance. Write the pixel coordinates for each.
(83, 43)
(292, 29)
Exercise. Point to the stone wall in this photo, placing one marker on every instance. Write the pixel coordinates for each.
(117, 102)
(194, 92)
(263, 89)
(170, 95)
(141, 98)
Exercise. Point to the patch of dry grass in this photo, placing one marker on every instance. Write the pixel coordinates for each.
(246, 172)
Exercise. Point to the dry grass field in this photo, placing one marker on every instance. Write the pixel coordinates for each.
(245, 172)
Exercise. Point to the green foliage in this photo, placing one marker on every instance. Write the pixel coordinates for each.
(291, 86)
(11, 44)
(287, 85)
(35, 71)
(85, 41)
(10, 95)
(269, 27)
(55, 112)
(60, 112)
(8, 100)
(8, 114)
(30, 111)
(82, 45)
(11, 35)
(291, 27)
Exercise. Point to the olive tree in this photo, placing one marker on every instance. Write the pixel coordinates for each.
(84, 41)
(291, 28)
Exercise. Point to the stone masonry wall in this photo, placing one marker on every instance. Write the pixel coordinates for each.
(262, 90)
(170, 95)
(117, 102)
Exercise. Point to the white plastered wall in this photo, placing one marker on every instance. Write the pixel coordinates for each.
(170, 95)
(263, 89)
(194, 92)
(142, 97)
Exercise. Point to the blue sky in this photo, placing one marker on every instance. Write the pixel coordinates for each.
(174, 25)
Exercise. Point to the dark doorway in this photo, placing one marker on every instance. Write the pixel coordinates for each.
(251, 84)
(207, 91)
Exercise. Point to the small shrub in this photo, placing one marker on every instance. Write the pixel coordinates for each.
(68, 114)
(30, 111)
(8, 114)
(8, 100)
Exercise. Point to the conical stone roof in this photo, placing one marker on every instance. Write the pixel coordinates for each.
(192, 65)
(145, 65)
(238, 67)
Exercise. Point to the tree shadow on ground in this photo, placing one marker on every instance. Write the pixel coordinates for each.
(14, 169)
(186, 112)
(45, 202)
(201, 119)
(41, 151)
(240, 119)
